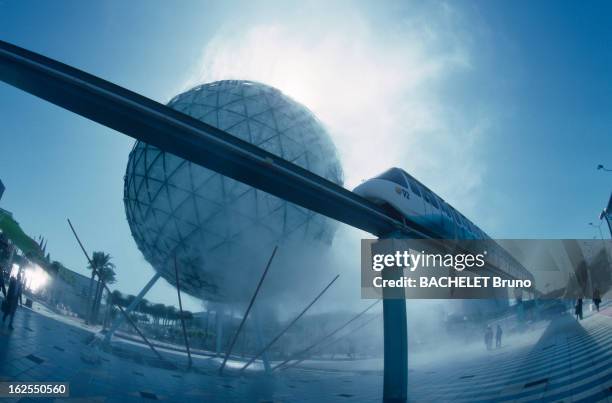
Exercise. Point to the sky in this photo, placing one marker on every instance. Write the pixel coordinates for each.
(502, 108)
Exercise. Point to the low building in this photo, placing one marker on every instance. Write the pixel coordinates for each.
(70, 291)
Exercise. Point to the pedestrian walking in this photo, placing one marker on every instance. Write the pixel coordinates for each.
(13, 297)
(597, 298)
(578, 309)
(488, 337)
(498, 336)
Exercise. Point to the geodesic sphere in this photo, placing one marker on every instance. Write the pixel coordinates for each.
(216, 225)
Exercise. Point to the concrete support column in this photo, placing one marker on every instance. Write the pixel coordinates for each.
(395, 328)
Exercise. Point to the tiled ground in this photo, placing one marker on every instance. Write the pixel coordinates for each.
(43, 349)
(566, 361)
(570, 361)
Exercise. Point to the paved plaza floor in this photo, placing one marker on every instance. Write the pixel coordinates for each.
(563, 360)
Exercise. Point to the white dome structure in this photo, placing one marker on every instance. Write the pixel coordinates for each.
(215, 225)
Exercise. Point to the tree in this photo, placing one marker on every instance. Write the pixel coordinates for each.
(171, 315)
(158, 312)
(118, 299)
(103, 268)
(107, 275)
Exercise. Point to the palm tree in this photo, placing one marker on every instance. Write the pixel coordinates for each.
(171, 315)
(108, 276)
(118, 298)
(129, 299)
(158, 312)
(104, 268)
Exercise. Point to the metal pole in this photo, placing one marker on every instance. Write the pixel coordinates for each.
(321, 340)
(131, 307)
(118, 306)
(178, 290)
(288, 326)
(257, 318)
(246, 314)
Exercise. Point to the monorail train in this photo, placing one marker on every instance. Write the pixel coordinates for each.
(408, 200)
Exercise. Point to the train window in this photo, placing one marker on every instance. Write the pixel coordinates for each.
(430, 198)
(394, 175)
(460, 220)
(433, 200)
(414, 187)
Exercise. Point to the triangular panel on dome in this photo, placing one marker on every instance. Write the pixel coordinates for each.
(185, 97)
(207, 99)
(136, 161)
(234, 188)
(266, 118)
(240, 130)
(152, 154)
(227, 97)
(273, 146)
(291, 148)
(171, 164)
(301, 161)
(184, 229)
(229, 119)
(250, 89)
(155, 221)
(256, 106)
(237, 223)
(245, 203)
(213, 189)
(180, 178)
(221, 251)
(259, 132)
(217, 224)
(237, 107)
(275, 98)
(295, 134)
(152, 188)
(197, 111)
(206, 209)
(200, 175)
(267, 203)
(162, 201)
(185, 208)
(294, 217)
(211, 117)
(156, 169)
(283, 122)
(170, 234)
(275, 218)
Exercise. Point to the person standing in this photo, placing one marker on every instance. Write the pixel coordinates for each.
(498, 336)
(597, 298)
(488, 337)
(578, 309)
(2, 282)
(13, 297)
